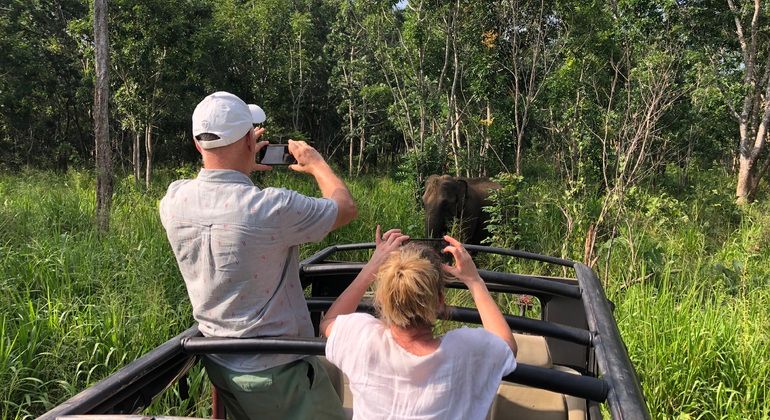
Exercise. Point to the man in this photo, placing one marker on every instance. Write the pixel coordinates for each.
(236, 246)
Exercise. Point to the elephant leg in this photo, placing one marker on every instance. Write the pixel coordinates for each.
(474, 234)
(468, 230)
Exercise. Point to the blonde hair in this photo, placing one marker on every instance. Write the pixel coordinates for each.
(409, 287)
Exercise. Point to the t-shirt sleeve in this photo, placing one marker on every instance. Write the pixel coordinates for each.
(303, 219)
(496, 351)
(507, 359)
(348, 338)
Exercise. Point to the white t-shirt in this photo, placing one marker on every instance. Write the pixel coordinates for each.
(457, 381)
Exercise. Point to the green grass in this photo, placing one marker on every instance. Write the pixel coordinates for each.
(688, 272)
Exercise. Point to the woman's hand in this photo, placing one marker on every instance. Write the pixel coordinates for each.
(464, 268)
(386, 244)
(465, 271)
(349, 299)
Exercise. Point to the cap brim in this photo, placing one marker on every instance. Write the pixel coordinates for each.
(257, 114)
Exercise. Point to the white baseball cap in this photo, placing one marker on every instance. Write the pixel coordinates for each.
(224, 115)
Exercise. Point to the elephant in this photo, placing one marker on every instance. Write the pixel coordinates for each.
(447, 198)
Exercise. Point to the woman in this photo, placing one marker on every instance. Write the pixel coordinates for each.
(396, 366)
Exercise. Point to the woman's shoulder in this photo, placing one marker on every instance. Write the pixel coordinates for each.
(351, 331)
(358, 316)
(357, 320)
(472, 337)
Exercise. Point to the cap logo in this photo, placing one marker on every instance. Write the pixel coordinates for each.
(205, 124)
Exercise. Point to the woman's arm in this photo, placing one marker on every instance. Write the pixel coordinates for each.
(465, 271)
(348, 301)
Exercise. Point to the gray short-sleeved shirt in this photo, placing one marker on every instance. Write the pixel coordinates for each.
(236, 246)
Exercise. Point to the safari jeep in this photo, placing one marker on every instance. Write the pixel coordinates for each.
(572, 360)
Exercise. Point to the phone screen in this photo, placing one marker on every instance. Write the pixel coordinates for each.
(276, 154)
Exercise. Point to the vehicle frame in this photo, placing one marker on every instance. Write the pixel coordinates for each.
(576, 321)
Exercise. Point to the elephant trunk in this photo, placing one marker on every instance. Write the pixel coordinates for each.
(435, 223)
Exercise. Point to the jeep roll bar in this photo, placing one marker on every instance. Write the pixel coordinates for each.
(576, 321)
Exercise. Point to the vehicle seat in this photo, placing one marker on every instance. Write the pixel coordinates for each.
(515, 401)
(340, 383)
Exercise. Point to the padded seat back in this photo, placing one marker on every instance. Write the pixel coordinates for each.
(340, 383)
(516, 401)
(533, 350)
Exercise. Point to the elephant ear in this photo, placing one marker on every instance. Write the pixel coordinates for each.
(431, 185)
(431, 182)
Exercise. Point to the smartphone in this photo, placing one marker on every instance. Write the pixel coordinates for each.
(276, 154)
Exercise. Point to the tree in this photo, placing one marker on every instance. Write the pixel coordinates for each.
(101, 118)
(533, 42)
(153, 56)
(753, 111)
(45, 84)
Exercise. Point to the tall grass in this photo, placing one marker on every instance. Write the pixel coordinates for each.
(687, 270)
(76, 306)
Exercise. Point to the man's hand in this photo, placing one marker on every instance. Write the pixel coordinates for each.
(260, 144)
(311, 162)
(308, 158)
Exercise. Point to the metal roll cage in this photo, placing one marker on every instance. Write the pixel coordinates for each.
(592, 345)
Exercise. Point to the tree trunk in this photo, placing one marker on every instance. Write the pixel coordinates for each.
(361, 147)
(487, 142)
(748, 180)
(519, 140)
(453, 114)
(137, 156)
(148, 155)
(350, 127)
(101, 123)
(754, 115)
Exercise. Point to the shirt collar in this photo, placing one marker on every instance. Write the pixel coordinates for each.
(228, 176)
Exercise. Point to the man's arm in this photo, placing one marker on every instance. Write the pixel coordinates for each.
(331, 186)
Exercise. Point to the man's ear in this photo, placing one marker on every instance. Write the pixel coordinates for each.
(250, 145)
(197, 146)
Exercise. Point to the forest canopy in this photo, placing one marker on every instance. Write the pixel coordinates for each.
(608, 92)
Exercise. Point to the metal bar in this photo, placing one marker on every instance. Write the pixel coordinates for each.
(562, 382)
(531, 282)
(549, 379)
(459, 314)
(332, 268)
(522, 280)
(282, 345)
(355, 247)
(625, 398)
(118, 382)
(520, 254)
(536, 326)
(319, 256)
